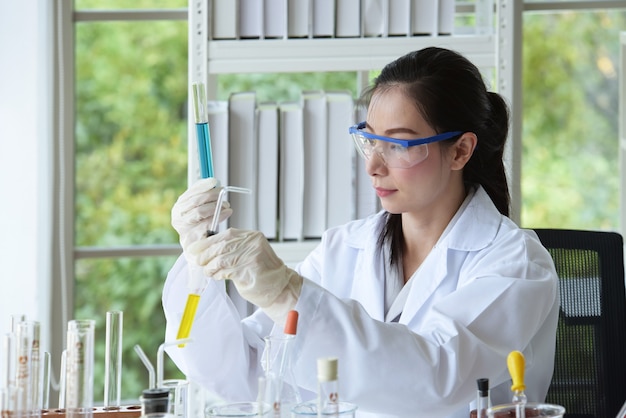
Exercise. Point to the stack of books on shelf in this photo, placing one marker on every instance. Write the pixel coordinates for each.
(298, 159)
(287, 19)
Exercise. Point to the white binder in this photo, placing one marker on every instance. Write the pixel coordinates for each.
(290, 202)
(242, 158)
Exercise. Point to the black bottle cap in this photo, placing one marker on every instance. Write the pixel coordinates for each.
(155, 393)
(155, 400)
(483, 386)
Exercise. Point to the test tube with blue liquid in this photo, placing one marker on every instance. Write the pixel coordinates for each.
(202, 130)
(197, 282)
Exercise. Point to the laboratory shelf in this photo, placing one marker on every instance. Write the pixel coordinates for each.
(335, 54)
(292, 252)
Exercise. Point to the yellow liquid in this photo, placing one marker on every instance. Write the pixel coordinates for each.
(190, 312)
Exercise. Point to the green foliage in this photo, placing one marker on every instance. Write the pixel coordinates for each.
(570, 171)
(280, 87)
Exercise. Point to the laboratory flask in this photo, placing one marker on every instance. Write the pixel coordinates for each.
(282, 391)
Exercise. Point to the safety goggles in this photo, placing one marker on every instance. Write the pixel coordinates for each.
(396, 153)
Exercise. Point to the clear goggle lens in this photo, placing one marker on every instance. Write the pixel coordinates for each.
(393, 155)
(397, 153)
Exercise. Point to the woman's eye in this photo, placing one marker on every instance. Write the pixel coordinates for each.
(397, 148)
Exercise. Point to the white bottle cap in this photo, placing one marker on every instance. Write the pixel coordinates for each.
(326, 369)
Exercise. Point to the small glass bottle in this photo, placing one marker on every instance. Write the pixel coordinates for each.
(327, 387)
(483, 400)
(155, 400)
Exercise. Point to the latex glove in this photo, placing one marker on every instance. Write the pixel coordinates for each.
(192, 214)
(246, 258)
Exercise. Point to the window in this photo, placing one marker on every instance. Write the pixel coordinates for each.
(130, 162)
(570, 168)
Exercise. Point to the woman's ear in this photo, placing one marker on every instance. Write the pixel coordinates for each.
(463, 149)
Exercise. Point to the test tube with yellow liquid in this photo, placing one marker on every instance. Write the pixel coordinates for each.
(197, 281)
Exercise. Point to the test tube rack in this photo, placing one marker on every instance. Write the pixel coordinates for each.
(131, 411)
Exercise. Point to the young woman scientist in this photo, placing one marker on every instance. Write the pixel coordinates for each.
(417, 301)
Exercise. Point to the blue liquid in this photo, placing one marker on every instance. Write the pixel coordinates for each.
(204, 150)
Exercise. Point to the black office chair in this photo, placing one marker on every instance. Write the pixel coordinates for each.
(590, 365)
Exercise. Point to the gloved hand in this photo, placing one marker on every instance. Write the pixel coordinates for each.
(192, 214)
(246, 258)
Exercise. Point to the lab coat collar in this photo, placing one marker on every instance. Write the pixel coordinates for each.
(475, 229)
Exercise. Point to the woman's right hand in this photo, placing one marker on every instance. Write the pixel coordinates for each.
(192, 214)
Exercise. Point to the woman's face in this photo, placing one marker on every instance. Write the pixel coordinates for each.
(418, 189)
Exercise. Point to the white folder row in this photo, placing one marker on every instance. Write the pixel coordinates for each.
(283, 19)
(298, 159)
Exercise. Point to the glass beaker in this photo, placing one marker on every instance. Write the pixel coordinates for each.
(179, 390)
(238, 409)
(532, 410)
(309, 409)
(79, 368)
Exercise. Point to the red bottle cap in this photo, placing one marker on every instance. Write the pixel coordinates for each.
(291, 325)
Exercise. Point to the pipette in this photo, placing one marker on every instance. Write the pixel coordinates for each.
(202, 130)
(197, 281)
(516, 363)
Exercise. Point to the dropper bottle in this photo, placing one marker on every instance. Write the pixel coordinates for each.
(483, 400)
(516, 364)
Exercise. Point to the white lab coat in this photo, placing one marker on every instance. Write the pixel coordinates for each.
(487, 288)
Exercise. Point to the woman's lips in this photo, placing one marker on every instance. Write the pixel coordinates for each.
(380, 192)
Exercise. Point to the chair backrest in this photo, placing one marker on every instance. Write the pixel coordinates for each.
(590, 365)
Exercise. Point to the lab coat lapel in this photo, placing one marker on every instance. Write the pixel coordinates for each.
(369, 280)
(425, 283)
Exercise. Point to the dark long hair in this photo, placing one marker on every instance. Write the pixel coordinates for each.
(450, 93)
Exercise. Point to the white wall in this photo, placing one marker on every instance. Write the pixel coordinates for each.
(25, 162)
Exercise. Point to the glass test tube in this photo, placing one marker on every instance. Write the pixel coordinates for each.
(16, 319)
(62, 379)
(113, 360)
(45, 394)
(8, 360)
(8, 390)
(35, 386)
(202, 130)
(79, 368)
(27, 369)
